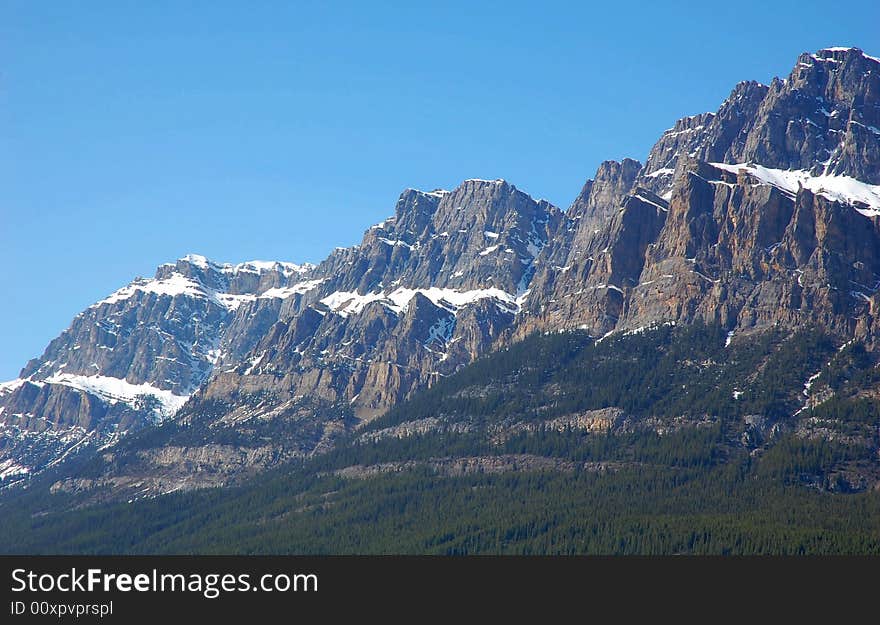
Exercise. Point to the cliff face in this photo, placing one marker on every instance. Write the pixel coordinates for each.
(764, 213)
(590, 289)
(749, 254)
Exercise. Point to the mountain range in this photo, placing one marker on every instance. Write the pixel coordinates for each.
(759, 220)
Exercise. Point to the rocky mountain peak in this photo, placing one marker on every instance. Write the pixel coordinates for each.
(482, 203)
(483, 234)
(824, 118)
(841, 54)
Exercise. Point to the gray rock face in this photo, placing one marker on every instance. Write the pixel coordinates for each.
(590, 291)
(749, 255)
(760, 248)
(601, 196)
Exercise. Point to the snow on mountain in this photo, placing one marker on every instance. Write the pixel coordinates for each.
(259, 266)
(865, 198)
(114, 390)
(8, 387)
(9, 468)
(821, 57)
(345, 303)
(179, 284)
(252, 266)
(299, 288)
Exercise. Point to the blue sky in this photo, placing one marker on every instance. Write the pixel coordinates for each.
(132, 133)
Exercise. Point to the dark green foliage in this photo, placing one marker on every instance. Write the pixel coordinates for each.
(667, 372)
(797, 459)
(695, 489)
(851, 368)
(647, 510)
(858, 411)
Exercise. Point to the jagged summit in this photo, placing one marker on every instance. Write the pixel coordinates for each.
(252, 266)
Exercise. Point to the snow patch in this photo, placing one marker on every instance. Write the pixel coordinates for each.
(442, 330)
(845, 49)
(114, 390)
(809, 383)
(8, 387)
(297, 289)
(8, 468)
(395, 242)
(176, 284)
(648, 200)
(232, 302)
(346, 303)
(863, 196)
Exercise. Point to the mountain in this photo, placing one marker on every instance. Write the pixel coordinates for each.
(135, 357)
(761, 217)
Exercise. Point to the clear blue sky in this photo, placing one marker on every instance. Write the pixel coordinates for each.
(132, 133)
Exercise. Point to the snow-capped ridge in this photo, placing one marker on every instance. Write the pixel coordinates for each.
(295, 289)
(820, 57)
(11, 385)
(250, 266)
(262, 266)
(176, 283)
(433, 193)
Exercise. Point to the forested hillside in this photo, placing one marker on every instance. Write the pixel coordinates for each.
(666, 440)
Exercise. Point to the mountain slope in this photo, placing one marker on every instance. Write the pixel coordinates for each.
(559, 444)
